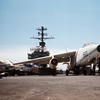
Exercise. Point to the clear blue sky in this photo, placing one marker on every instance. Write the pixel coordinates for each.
(71, 22)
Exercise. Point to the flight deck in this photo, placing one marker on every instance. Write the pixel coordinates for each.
(59, 87)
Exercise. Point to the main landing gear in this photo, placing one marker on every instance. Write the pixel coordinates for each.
(54, 73)
(67, 72)
(99, 65)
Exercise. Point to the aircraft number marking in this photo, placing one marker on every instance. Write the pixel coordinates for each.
(85, 54)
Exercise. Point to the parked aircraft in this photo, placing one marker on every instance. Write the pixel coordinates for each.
(89, 54)
(6, 62)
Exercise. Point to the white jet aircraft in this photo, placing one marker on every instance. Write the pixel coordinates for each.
(3, 65)
(87, 55)
(6, 62)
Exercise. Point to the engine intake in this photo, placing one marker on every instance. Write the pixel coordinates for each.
(98, 48)
(53, 63)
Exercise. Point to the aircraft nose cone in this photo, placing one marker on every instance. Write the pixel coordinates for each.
(98, 48)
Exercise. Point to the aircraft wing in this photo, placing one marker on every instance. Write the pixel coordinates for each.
(41, 60)
(64, 57)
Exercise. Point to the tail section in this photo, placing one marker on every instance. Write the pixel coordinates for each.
(67, 49)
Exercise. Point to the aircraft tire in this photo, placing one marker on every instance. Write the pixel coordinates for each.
(84, 72)
(90, 72)
(67, 72)
(54, 73)
(93, 70)
(99, 68)
(76, 71)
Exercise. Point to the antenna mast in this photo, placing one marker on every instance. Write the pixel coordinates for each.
(42, 38)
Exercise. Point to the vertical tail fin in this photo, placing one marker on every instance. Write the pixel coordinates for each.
(66, 49)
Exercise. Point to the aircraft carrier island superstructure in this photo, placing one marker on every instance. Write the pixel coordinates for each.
(40, 51)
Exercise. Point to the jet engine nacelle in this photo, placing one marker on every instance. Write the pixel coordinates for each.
(53, 63)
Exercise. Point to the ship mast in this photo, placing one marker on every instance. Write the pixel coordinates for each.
(40, 52)
(42, 38)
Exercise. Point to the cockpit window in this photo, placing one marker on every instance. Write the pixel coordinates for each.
(87, 44)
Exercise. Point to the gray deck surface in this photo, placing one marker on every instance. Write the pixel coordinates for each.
(60, 87)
